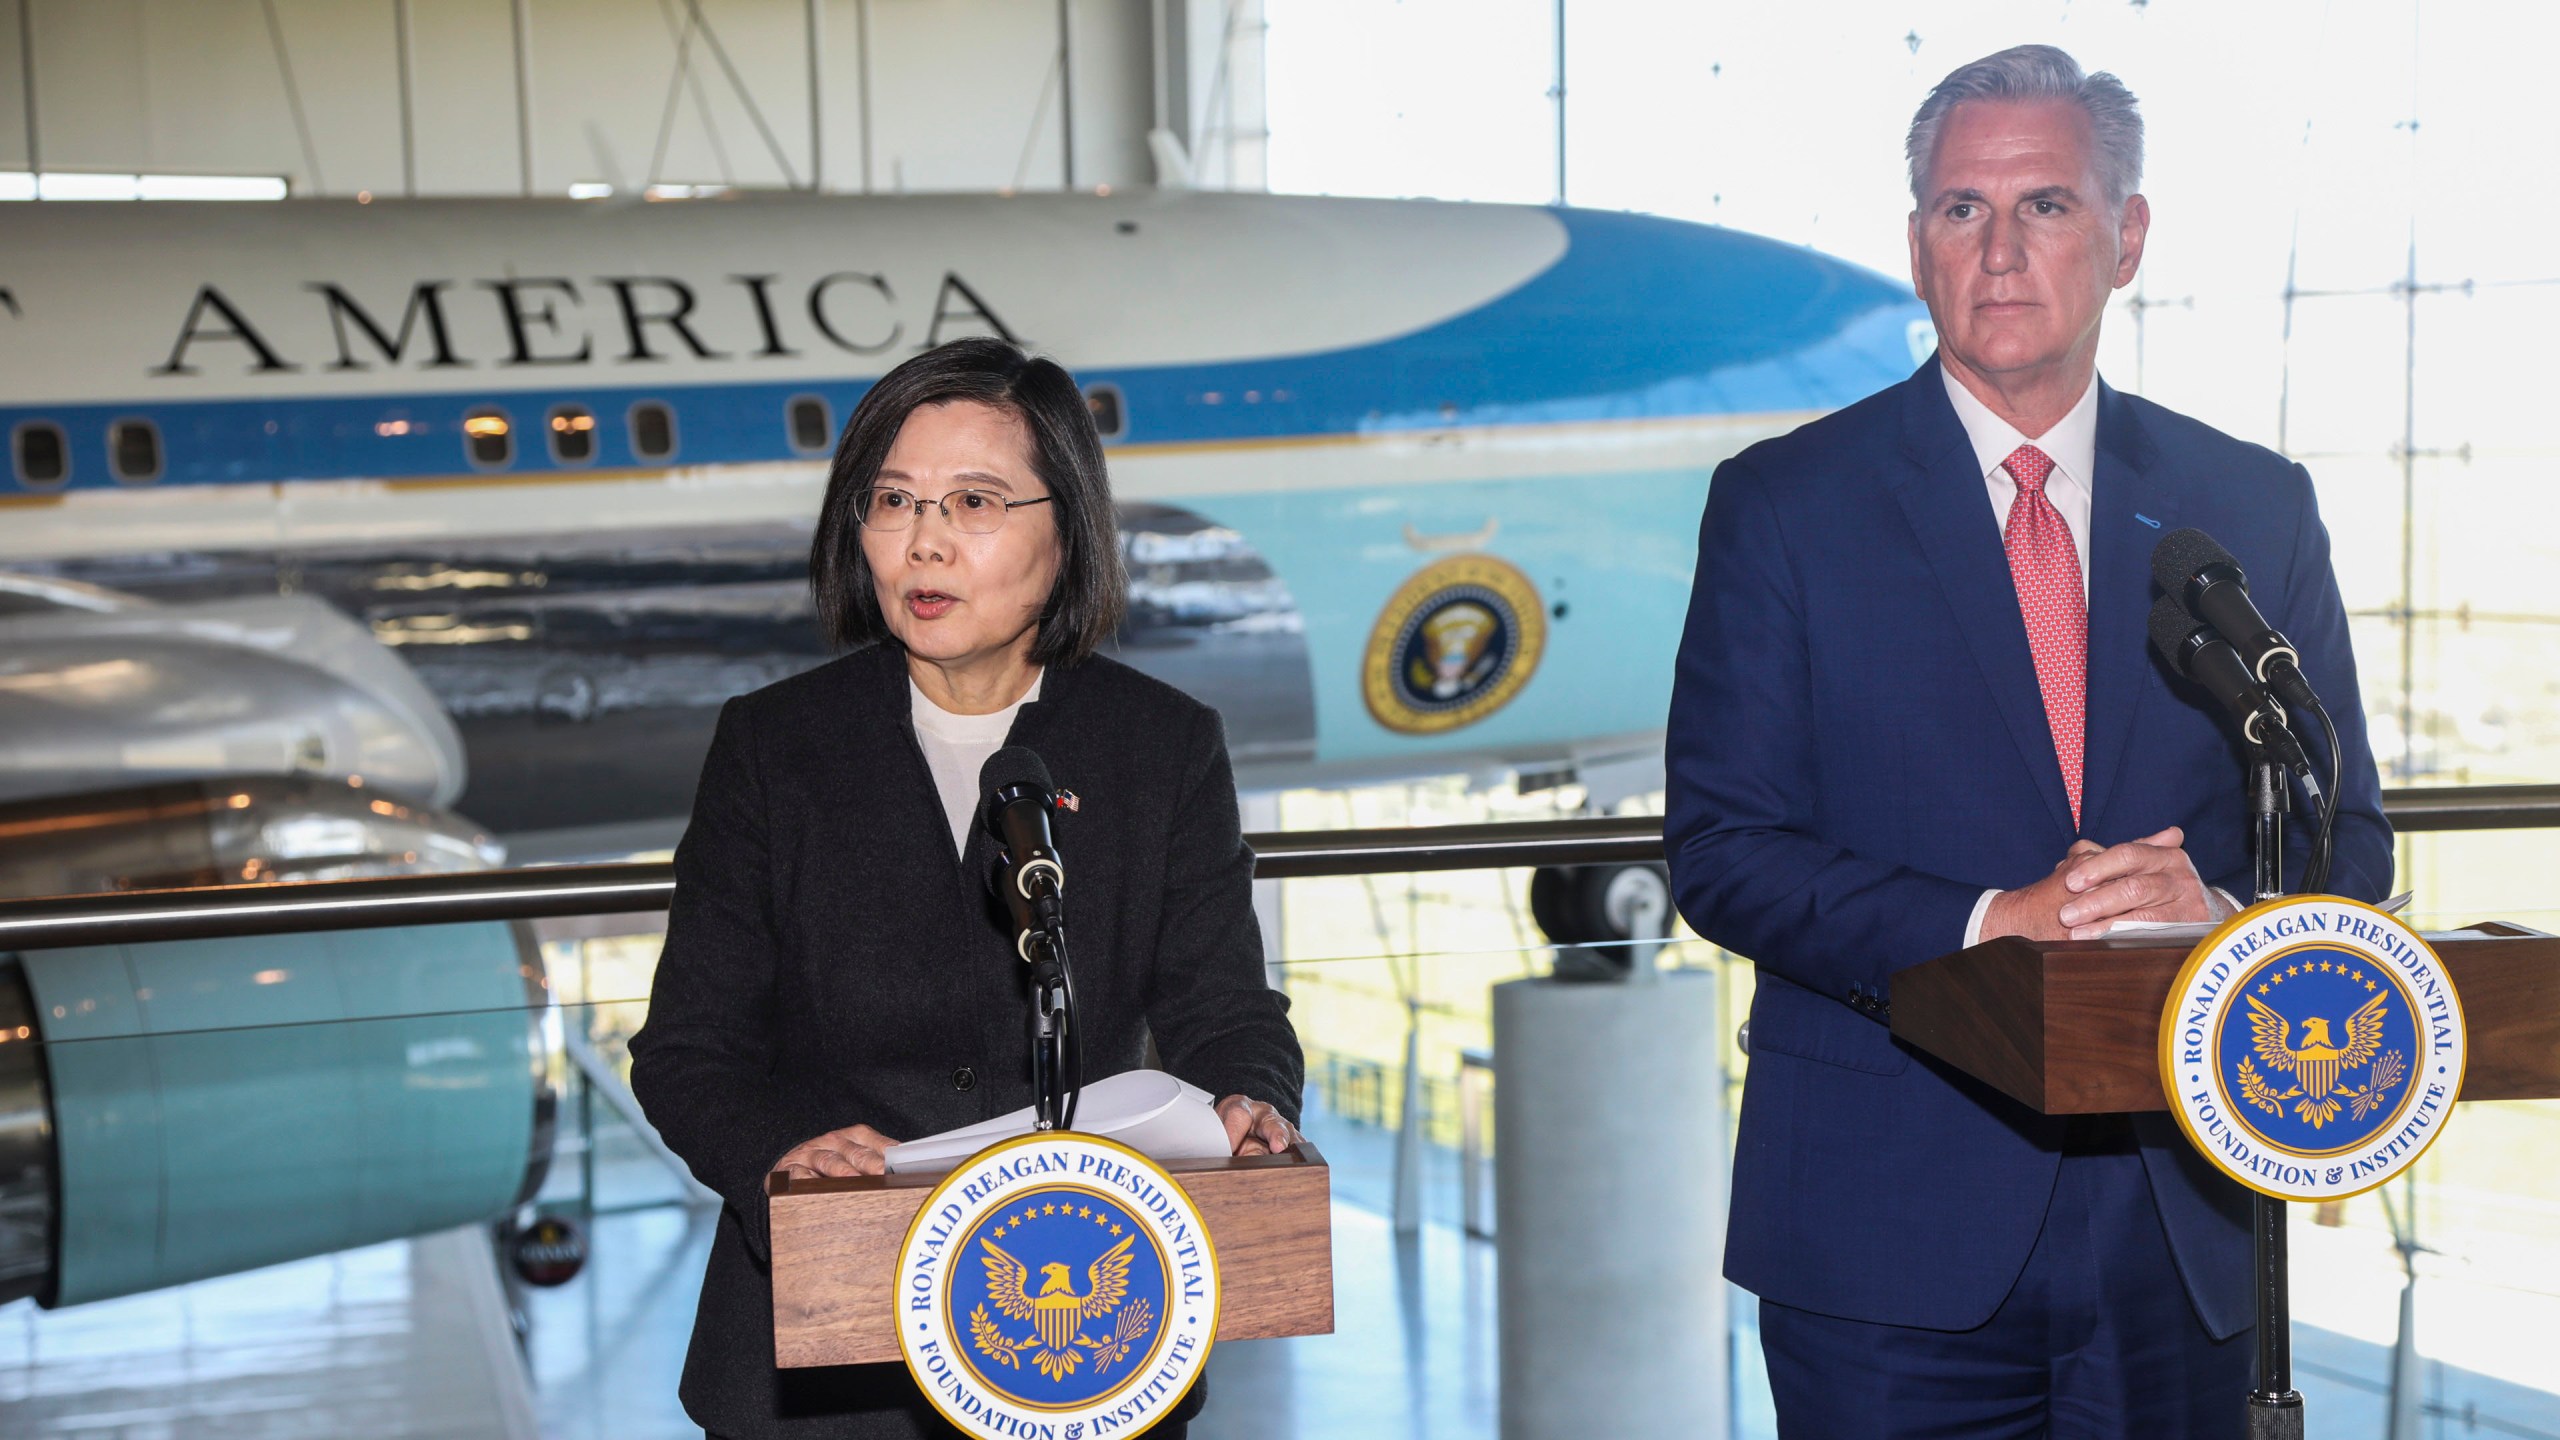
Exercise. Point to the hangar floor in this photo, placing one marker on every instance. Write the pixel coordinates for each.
(370, 1341)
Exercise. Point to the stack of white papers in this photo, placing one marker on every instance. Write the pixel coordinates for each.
(1149, 1111)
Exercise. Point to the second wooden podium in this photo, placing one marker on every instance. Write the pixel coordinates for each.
(2072, 1027)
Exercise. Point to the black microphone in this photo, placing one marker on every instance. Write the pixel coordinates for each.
(1031, 876)
(2195, 651)
(2203, 577)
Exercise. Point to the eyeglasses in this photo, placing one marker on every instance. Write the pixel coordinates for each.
(971, 512)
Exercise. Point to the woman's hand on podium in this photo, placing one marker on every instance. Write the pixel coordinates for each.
(1254, 1128)
(854, 1150)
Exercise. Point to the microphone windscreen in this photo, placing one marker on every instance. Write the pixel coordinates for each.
(1013, 765)
(2180, 554)
(2170, 627)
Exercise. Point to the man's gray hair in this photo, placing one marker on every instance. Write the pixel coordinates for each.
(2038, 72)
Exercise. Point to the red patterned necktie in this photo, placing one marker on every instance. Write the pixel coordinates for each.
(2046, 568)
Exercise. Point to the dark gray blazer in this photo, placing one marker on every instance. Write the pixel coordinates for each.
(829, 962)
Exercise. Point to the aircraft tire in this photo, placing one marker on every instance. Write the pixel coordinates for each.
(1591, 904)
(1548, 885)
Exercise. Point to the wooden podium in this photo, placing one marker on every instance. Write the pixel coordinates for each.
(2072, 1027)
(835, 1251)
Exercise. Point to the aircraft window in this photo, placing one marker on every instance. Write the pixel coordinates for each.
(573, 434)
(133, 447)
(1108, 415)
(813, 430)
(653, 430)
(489, 437)
(42, 457)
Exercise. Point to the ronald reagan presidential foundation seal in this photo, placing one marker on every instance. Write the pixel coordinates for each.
(2313, 1047)
(1056, 1286)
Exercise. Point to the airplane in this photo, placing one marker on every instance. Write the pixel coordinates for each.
(1406, 488)
(343, 538)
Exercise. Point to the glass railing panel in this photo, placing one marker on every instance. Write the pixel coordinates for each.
(291, 1144)
(2477, 1219)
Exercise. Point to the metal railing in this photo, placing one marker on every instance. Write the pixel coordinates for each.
(135, 916)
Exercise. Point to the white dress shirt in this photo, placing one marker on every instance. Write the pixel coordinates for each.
(956, 748)
(2072, 446)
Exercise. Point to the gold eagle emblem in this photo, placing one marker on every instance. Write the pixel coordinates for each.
(2319, 1065)
(1057, 1314)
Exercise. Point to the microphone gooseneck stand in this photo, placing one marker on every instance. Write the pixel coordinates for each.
(1054, 1043)
(2212, 633)
(1057, 1061)
(1032, 881)
(2275, 1407)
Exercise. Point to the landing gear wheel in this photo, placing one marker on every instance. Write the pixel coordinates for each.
(1598, 904)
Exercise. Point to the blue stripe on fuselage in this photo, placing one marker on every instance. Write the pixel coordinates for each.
(1641, 318)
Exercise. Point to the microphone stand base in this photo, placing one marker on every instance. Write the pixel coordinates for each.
(2275, 1408)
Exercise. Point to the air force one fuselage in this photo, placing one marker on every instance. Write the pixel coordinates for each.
(1405, 487)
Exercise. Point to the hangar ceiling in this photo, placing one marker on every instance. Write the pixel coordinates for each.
(477, 97)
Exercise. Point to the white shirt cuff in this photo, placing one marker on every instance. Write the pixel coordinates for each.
(1973, 926)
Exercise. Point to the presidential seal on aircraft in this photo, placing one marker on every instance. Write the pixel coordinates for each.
(1057, 1285)
(1456, 641)
(2312, 1047)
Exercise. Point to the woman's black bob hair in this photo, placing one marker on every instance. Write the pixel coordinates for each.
(1066, 453)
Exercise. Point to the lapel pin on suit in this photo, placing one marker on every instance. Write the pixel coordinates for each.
(1067, 800)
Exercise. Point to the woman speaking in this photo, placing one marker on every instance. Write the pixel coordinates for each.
(838, 970)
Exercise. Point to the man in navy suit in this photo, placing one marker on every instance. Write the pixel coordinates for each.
(1915, 708)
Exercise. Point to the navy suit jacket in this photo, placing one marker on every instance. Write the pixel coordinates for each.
(1858, 749)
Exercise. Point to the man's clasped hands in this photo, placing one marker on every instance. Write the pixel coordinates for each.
(2094, 886)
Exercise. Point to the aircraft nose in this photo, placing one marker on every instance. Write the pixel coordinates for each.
(1644, 316)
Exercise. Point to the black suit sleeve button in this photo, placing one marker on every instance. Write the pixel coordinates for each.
(964, 1078)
